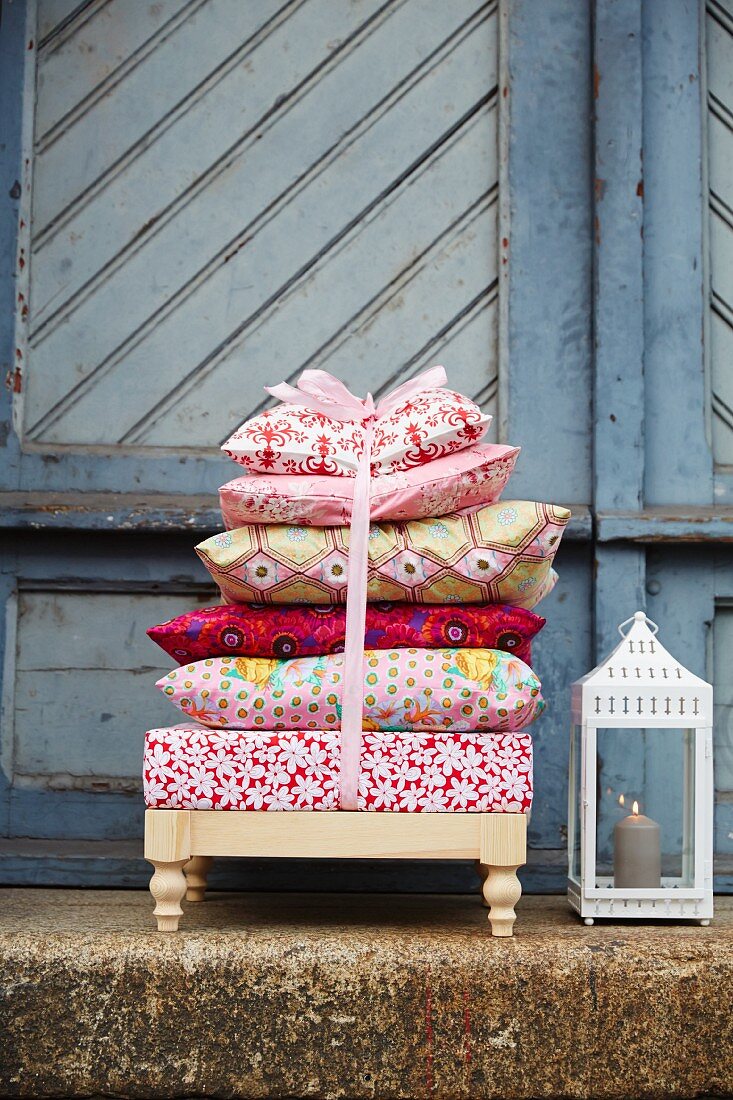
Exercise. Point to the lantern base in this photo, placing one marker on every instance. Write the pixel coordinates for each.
(670, 902)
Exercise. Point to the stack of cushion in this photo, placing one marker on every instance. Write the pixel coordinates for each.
(453, 575)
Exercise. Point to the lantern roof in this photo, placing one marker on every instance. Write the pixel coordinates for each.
(641, 683)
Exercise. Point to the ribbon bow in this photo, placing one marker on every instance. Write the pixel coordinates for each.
(320, 391)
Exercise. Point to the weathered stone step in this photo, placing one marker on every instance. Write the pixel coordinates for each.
(357, 996)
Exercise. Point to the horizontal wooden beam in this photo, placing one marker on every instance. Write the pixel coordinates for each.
(670, 524)
(110, 512)
(151, 513)
(200, 514)
(334, 835)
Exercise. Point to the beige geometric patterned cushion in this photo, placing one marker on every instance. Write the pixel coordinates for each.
(501, 553)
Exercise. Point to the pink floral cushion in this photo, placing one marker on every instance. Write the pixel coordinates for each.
(466, 479)
(190, 768)
(292, 439)
(404, 689)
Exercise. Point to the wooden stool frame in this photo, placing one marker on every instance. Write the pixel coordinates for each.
(180, 844)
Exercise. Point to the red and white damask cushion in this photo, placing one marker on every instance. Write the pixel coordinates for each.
(191, 768)
(292, 439)
(467, 479)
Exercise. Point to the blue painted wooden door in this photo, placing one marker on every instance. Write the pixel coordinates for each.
(212, 196)
(206, 196)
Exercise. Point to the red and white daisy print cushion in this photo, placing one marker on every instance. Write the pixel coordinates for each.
(188, 767)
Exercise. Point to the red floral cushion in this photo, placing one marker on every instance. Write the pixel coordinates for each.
(262, 630)
(190, 768)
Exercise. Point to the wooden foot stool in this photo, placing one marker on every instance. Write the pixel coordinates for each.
(180, 844)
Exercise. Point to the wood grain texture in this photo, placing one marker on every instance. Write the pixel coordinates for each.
(335, 835)
(168, 836)
(719, 56)
(496, 841)
(674, 292)
(502, 890)
(241, 187)
(168, 887)
(197, 872)
(503, 840)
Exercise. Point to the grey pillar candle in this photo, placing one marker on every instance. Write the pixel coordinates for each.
(637, 860)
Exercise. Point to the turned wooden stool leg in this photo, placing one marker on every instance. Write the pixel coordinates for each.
(196, 872)
(482, 871)
(168, 848)
(168, 885)
(503, 850)
(502, 890)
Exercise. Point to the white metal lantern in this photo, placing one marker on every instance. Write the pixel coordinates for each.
(640, 822)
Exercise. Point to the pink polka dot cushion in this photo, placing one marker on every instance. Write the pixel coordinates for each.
(404, 689)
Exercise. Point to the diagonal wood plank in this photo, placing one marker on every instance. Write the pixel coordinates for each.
(111, 41)
(377, 140)
(55, 19)
(328, 197)
(227, 179)
(106, 139)
(382, 243)
(372, 232)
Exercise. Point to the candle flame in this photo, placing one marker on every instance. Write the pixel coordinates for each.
(635, 809)
(621, 800)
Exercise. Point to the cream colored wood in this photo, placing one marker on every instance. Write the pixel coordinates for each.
(305, 835)
(168, 885)
(503, 840)
(502, 891)
(167, 835)
(196, 872)
(174, 838)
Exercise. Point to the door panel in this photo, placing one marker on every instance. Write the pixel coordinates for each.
(84, 685)
(719, 52)
(216, 195)
(718, 24)
(201, 209)
(78, 690)
(210, 195)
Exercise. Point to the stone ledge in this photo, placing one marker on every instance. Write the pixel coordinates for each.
(358, 996)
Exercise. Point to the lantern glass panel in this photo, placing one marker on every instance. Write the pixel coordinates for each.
(654, 768)
(575, 804)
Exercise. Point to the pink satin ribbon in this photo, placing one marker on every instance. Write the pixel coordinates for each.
(321, 392)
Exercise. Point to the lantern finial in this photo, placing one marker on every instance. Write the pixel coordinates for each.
(638, 617)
